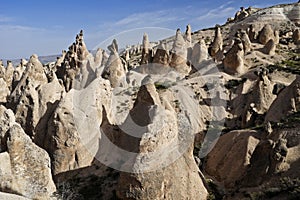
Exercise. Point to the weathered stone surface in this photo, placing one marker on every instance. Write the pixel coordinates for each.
(188, 36)
(25, 168)
(161, 55)
(269, 47)
(286, 102)
(217, 45)
(74, 126)
(7, 196)
(146, 51)
(296, 36)
(246, 42)
(9, 74)
(234, 59)
(266, 34)
(31, 171)
(156, 175)
(4, 91)
(179, 54)
(230, 157)
(199, 53)
(114, 70)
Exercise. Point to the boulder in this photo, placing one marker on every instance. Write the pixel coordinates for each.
(286, 102)
(114, 70)
(234, 59)
(229, 159)
(269, 48)
(157, 171)
(199, 54)
(217, 44)
(296, 36)
(161, 56)
(73, 130)
(25, 167)
(4, 91)
(179, 54)
(266, 34)
(146, 52)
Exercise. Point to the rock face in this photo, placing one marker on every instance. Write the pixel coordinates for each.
(286, 102)
(9, 73)
(246, 42)
(146, 52)
(114, 70)
(4, 91)
(217, 45)
(161, 55)
(234, 59)
(199, 54)
(154, 180)
(69, 130)
(269, 48)
(188, 36)
(266, 34)
(234, 147)
(179, 54)
(26, 169)
(296, 36)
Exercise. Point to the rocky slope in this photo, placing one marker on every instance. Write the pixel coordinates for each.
(211, 114)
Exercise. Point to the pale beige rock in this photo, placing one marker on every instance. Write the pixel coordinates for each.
(269, 48)
(199, 53)
(8, 196)
(2, 70)
(217, 45)
(266, 34)
(30, 166)
(252, 33)
(98, 57)
(296, 36)
(9, 74)
(230, 157)
(5, 172)
(234, 59)
(73, 129)
(18, 73)
(26, 166)
(246, 42)
(161, 55)
(179, 55)
(157, 176)
(286, 103)
(188, 36)
(4, 91)
(146, 54)
(114, 70)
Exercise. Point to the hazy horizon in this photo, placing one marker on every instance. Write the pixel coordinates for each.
(48, 27)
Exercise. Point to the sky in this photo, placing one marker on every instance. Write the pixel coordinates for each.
(48, 27)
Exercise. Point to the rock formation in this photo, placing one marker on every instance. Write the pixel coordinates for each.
(266, 34)
(26, 167)
(269, 47)
(246, 41)
(199, 54)
(151, 179)
(286, 102)
(217, 45)
(9, 72)
(179, 54)
(146, 52)
(188, 36)
(114, 70)
(161, 55)
(234, 59)
(252, 33)
(233, 147)
(296, 36)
